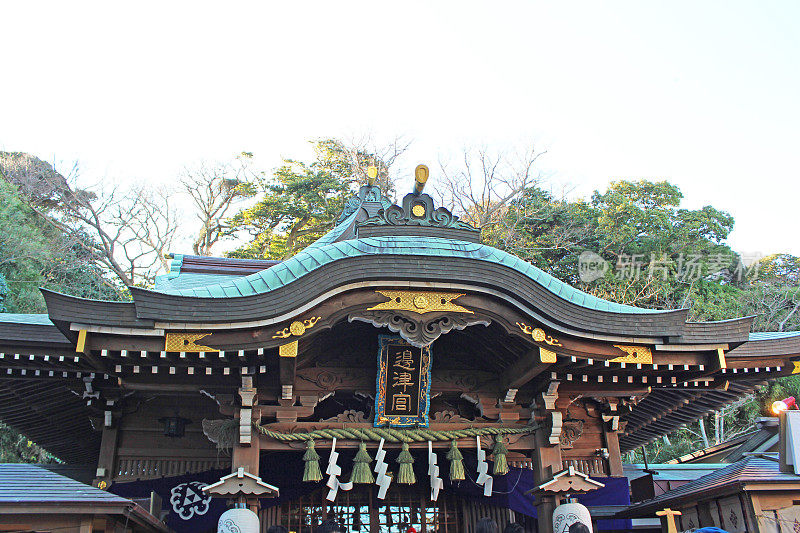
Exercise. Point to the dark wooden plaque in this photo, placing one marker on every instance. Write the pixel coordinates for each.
(404, 382)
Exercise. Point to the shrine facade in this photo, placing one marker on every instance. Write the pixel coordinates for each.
(395, 373)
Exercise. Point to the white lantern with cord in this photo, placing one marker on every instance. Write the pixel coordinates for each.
(240, 519)
(567, 514)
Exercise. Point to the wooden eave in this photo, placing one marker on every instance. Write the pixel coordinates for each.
(129, 354)
(130, 510)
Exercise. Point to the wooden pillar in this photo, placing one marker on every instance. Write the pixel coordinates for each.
(246, 457)
(86, 524)
(247, 450)
(107, 457)
(546, 462)
(614, 455)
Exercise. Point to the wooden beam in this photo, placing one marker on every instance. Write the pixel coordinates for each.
(523, 370)
(108, 454)
(605, 389)
(287, 372)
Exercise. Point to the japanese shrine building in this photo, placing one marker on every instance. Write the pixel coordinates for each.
(397, 331)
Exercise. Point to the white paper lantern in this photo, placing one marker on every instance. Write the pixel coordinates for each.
(569, 513)
(238, 521)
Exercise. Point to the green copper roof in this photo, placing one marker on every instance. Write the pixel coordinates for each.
(190, 280)
(769, 335)
(319, 254)
(22, 318)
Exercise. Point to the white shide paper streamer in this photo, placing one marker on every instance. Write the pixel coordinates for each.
(483, 471)
(433, 471)
(334, 471)
(382, 480)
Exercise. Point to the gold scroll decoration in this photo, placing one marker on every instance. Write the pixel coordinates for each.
(186, 342)
(296, 328)
(635, 354)
(420, 301)
(538, 334)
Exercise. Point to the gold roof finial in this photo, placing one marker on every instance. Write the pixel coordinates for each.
(372, 173)
(421, 174)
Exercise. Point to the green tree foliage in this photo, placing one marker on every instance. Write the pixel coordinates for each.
(34, 254)
(773, 295)
(3, 293)
(16, 448)
(658, 255)
(301, 201)
(547, 231)
(661, 254)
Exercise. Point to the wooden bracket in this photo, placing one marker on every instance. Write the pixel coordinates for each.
(556, 425)
(245, 426)
(509, 412)
(549, 398)
(668, 520)
(488, 407)
(614, 419)
(248, 394)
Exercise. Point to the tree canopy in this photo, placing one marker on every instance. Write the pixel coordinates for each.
(34, 254)
(301, 201)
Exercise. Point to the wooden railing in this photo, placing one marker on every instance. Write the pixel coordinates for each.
(595, 466)
(133, 468)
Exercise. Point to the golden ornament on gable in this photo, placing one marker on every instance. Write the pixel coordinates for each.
(420, 301)
(538, 334)
(634, 354)
(296, 328)
(186, 342)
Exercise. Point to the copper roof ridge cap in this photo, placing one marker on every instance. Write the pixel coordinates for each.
(725, 321)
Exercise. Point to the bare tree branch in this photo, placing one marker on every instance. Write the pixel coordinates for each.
(214, 190)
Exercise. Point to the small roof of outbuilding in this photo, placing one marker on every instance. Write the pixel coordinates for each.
(27, 485)
(21, 482)
(752, 469)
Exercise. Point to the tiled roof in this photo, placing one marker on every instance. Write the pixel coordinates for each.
(671, 472)
(26, 483)
(751, 469)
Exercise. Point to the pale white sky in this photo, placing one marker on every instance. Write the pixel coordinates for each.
(701, 93)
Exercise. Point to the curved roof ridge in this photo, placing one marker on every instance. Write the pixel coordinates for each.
(767, 335)
(322, 253)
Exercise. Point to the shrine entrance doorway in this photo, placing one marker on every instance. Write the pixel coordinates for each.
(359, 510)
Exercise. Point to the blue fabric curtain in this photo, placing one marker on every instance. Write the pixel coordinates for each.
(285, 471)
